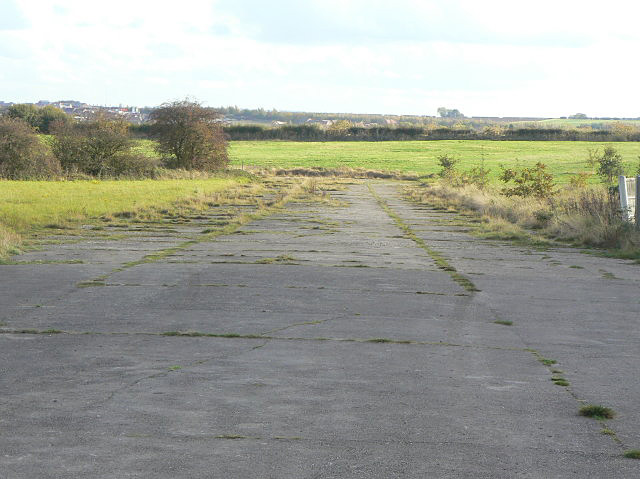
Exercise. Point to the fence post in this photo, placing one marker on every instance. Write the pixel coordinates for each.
(638, 202)
(624, 198)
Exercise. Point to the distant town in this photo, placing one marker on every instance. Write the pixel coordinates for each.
(83, 111)
(233, 115)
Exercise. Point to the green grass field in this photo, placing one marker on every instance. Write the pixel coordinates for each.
(25, 205)
(564, 158)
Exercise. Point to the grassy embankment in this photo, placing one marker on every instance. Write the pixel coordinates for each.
(563, 158)
(28, 206)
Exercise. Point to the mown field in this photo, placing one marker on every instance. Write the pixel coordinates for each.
(564, 158)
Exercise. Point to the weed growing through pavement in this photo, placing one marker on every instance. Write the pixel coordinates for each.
(596, 411)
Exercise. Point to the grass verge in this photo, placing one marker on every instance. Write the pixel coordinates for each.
(28, 206)
(587, 217)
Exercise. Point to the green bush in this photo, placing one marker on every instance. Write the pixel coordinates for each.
(22, 154)
(609, 165)
(101, 147)
(448, 164)
(40, 118)
(535, 181)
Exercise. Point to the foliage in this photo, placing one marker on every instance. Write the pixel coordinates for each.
(478, 175)
(340, 127)
(580, 180)
(535, 181)
(101, 147)
(22, 154)
(447, 113)
(188, 136)
(448, 164)
(609, 164)
(40, 118)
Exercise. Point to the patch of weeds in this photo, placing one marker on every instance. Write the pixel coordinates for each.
(174, 368)
(231, 436)
(42, 261)
(504, 322)
(547, 361)
(559, 381)
(596, 411)
(574, 266)
(282, 259)
(607, 432)
(632, 454)
(607, 274)
(90, 284)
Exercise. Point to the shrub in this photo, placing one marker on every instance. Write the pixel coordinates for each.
(40, 118)
(101, 147)
(448, 164)
(479, 176)
(609, 164)
(22, 154)
(533, 181)
(580, 180)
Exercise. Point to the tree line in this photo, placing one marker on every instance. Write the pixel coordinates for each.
(356, 133)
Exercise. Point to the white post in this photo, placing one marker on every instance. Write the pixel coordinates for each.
(624, 197)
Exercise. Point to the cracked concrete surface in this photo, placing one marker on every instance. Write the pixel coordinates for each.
(343, 351)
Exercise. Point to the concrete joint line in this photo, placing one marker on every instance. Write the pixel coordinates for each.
(436, 256)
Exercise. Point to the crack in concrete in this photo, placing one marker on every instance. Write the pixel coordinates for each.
(197, 334)
(437, 257)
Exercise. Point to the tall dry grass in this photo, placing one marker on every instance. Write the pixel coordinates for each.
(587, 216)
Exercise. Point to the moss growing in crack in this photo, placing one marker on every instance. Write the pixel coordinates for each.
(632, 454)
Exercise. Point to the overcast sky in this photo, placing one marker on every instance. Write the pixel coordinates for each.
(485, 58)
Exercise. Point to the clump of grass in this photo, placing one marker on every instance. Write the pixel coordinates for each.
(9, 241)
(559, 381)
(547, 361)
(504, 322)
(632, 454)
(231, 436)
(597, 412)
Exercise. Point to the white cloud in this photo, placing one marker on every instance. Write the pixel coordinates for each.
(485, 58)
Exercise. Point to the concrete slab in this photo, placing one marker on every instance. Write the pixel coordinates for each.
(323, 383)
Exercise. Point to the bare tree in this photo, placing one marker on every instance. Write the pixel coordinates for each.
(189, 137)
